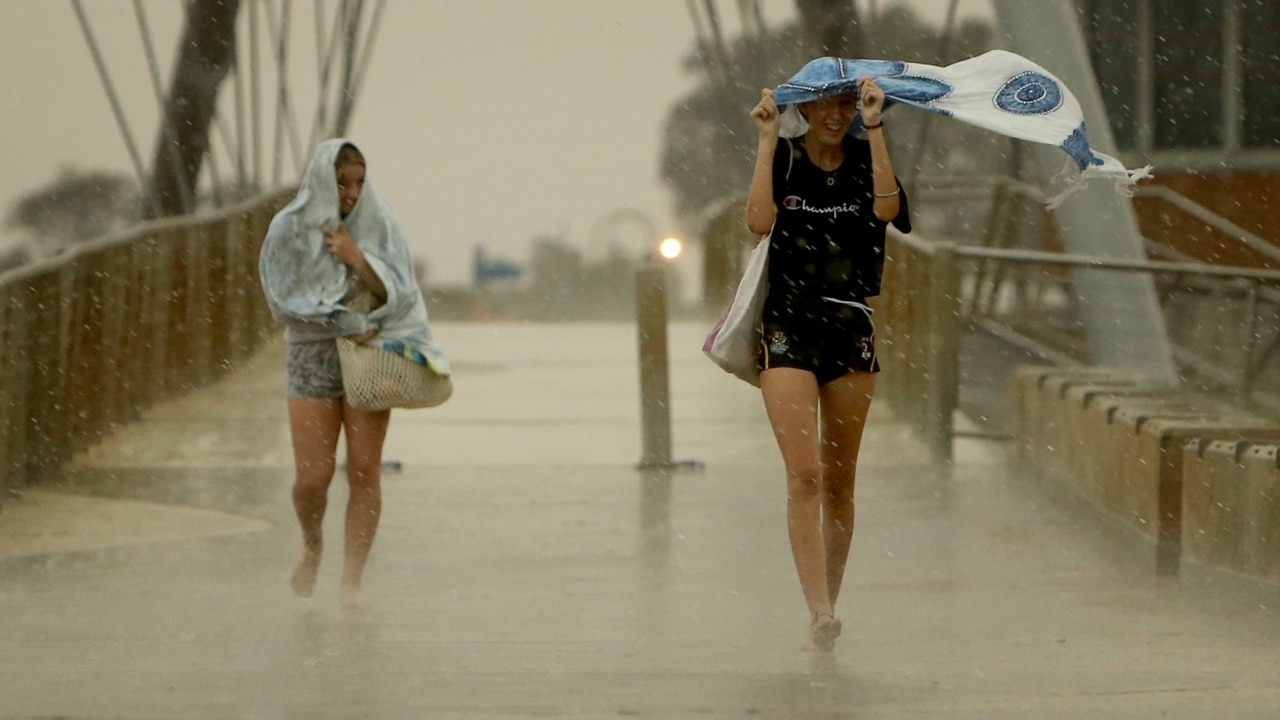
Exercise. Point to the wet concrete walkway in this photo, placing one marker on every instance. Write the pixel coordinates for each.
(525, 569)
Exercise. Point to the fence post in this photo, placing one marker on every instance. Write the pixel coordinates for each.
(944, 350)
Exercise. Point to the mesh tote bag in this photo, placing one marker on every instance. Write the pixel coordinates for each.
(378, 379)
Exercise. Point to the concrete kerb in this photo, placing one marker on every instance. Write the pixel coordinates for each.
(1212, 499)
(1231, 513)
(1061, 447)
(1154, 476)
(1091, 456)
(1116, 439)
(1035, 394)
(1108, 445)
(1261, 517)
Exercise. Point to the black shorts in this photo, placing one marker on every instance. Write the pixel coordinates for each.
(841, 341)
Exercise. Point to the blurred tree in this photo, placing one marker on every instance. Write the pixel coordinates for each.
(709, 142)
(831, 27)
(555, 274)
(205, 55)
(562, 285)
(75, 207)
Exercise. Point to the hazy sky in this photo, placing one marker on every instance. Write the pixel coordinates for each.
(484, 121)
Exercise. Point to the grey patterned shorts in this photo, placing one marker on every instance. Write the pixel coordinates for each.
(314, 370)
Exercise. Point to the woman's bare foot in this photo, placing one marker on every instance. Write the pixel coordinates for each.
(823, 632)
(352, 600)
(303, 581)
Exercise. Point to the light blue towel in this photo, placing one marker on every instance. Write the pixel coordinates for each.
(305, 285)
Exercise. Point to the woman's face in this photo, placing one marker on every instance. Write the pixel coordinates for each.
(830, 118)
(350, 183)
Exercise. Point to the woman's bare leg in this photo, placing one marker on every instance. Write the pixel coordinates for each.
(366, 430)
(845, 403)
(314, 425)
(791, 401)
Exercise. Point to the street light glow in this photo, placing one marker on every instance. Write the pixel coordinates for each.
(670, 248)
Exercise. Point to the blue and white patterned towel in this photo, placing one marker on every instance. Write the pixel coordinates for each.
(998, 90)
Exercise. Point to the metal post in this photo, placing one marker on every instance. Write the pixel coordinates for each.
(944, 350)
(1248, 344)
(655, 392)
(1232, 70)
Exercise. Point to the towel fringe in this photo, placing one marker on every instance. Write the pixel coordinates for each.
(1071, 180)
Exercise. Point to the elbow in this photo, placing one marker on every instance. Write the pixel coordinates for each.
(760, 217)
(759, 224)
(887, 211)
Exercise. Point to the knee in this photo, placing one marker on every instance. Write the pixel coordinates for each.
(364, 475)
(804, 483)
(315, 474)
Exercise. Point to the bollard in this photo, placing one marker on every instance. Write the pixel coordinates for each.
(655, 391)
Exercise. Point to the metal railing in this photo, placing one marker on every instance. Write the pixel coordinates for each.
(1253, 242)
(91, 338)
(922, 315)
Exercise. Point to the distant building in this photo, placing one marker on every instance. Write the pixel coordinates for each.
(1193, 88)
(486, 270)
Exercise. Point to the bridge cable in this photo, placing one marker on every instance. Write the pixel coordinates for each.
(107, 85)
(144, 30)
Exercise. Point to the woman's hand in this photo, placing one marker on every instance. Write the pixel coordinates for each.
(341, 245)
(765, 114)
(363, 337)
(870, 101)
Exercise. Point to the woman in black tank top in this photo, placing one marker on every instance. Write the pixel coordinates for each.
(825, 211)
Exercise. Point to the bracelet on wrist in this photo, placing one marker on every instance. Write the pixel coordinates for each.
(886, 195)
(873, 127)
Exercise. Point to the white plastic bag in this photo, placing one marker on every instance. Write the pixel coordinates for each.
(734, 342)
